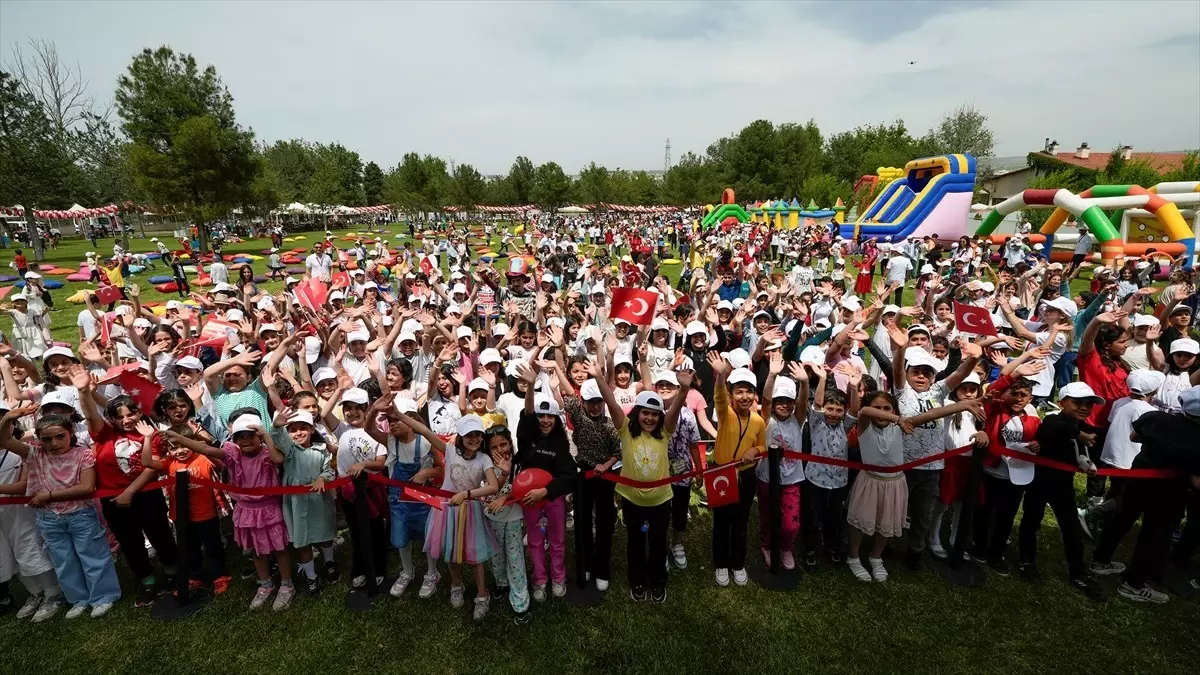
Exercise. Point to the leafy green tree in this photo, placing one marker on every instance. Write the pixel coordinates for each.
(372, 183)
(291, 165)
(34, 165)
(825, 189)
(467, 186)
(521, 179)
(551, 186)
(963, 130)
(418, 183)
(337, 176)
(862, 150)
(692, 180)
(187, 148)
(594, 185)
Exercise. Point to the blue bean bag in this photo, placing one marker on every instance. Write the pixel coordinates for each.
(6, 278)
(248, 261)
(260, 279)
(48, 283)
(134, 269)
(153, 256)
(161, 279)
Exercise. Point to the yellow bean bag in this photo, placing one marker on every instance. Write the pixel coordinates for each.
(289, 239)
(252, 257)
(520, 229)
(80, 297)
(299, 237)
(671, 261)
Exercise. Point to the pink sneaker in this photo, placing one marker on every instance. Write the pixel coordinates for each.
(788, 560)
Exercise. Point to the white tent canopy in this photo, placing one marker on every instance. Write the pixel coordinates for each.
(572, 209)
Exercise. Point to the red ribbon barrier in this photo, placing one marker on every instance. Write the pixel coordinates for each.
(1063, 466)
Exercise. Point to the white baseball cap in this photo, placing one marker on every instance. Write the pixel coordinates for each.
(464, 332)
(1140, 320)
(1145, 381)
(590, 391)
(405, 405)
(267, 327)
(412, 326)
(738, 358)
(58, 396)
(301, 416)
(545, 405)
(547, 278)
(468, 424)
(1185, 345)
(916, 357)
(1064, 305)
(355, 395)
(1189, 401)
(695, 328)
(312, 349)
(478, 383)
(890, 309)
(650, 401)
(784, 388)
(812, 354)
(59, 351)
(290, 280)
(459, 288)
(743, 376)
(725, 304)
(489, 355)
(659, 324)
(599, 289)
(499, 329)
(666, 376)
(358, 336)
(1080, 390)
(190, 363)
(246, 423)
(141, 322)
(322, 374)
(234, 315)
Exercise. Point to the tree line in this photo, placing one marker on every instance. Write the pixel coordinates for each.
(171, 140)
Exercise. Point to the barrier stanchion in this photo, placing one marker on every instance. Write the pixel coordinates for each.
(956, 568)
(774, 577)
(362, 599)
(582, 592)
(183, 602)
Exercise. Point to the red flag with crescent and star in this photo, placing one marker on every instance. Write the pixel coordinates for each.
(721, 486)
(972, 319)
(142, 391)
(634, 305)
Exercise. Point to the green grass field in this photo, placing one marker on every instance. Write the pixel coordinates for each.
(913, 623)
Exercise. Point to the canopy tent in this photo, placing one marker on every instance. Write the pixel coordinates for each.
(73, 213)
(572, 209)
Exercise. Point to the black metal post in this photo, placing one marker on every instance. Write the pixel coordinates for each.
(362, 599)
(582, 593)
(956, 569)
(774, 577)
(183, 602)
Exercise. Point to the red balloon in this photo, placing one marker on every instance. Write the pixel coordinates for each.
(530, 479)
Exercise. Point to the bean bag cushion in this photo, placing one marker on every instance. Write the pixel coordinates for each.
(299, 250)
(242, 260)
(294, 270)
(203, 280)
(48, 283)
(79, 276)
(190, 269)
(161, 279)
(134, 269)
(153, 256)
(260, 279)
(291, 260)
(671, 261)
(289, 239)
(6, 278)
(169, 287)
(79, 297)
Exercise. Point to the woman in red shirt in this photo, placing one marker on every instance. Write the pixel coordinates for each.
(1101, 346)
(133, 516)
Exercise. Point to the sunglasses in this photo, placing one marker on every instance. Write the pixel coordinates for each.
(496, 429)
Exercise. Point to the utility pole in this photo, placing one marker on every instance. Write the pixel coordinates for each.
(667, 158)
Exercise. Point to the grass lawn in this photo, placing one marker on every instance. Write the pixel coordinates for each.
(913, 623)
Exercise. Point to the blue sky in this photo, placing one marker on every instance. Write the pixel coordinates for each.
(575, 82)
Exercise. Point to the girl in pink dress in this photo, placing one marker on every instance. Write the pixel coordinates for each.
(258, 524)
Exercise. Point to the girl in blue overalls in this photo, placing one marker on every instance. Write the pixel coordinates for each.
(409, 458)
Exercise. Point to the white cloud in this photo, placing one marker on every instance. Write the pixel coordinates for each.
(483, 82)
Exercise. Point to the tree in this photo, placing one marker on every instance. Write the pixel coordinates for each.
(34, 166)
(594, 185)
(336, 177)
(372, 183)
(58, 88)
(825, 189)
(862, 150)
(551, 186)
(187, 148)
(521, 178)
(291, 165)
(963, 130)
(692, 180)
(417, 184)
(468, 187)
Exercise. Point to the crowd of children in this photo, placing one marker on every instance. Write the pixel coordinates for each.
(438, 366)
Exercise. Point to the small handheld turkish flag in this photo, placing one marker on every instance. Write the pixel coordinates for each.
(106, 295)
(634, 305)
(972, 319)
(721, 486)
(143, 391)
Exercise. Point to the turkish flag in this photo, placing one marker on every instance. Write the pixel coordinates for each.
(108, 294)
(142, 390)
(721, 486)
(972, 319)
(215, 328)
(341, 279)
(217, 343)
(426, 266)
(634, 305)
(312, 294)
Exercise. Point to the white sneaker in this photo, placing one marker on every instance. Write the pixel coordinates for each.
(481, 608)
(723, 576)
(76, 611)
(680, 556)
(857, 569)
(740, 578)
(938, 551)
(1143, 594)
(358, 581)
(30, 607)
(457, 599)
(401, 585)
(539, 593)
(1104, 569)
(101, 609)
(48, 609)
(878, 571)
(558, 590)
(284, 598)
(261, 596)
(601, 584)
(429, 585)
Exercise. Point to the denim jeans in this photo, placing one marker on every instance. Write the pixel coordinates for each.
(1064, 369)
(82, 559)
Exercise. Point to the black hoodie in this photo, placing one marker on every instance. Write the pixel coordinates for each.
(551, 453)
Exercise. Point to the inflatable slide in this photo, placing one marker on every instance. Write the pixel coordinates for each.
(933, 197)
